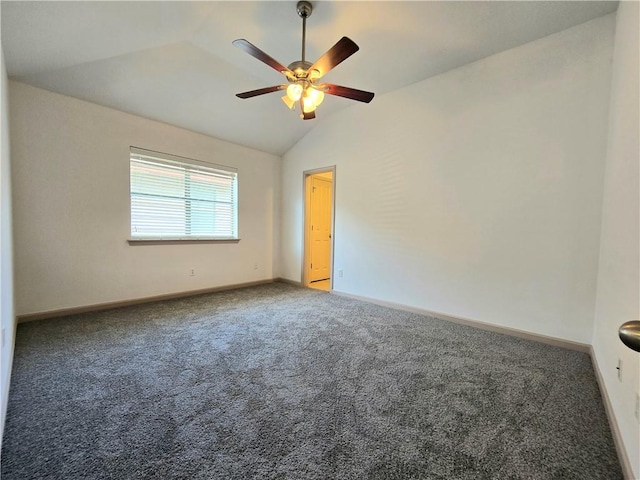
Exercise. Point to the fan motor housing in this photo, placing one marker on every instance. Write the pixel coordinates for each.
(300, 68)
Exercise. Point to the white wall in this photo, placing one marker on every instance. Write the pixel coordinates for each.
(70, 163)
(476, 193)
(618, 297)
(7, 316)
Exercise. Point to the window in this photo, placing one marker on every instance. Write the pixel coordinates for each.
(174, 198)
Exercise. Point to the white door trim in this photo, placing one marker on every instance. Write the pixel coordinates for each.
(305, 224)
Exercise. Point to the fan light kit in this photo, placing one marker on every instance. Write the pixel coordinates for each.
(303, 76)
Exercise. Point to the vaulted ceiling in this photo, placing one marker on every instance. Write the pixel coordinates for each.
(174, 61)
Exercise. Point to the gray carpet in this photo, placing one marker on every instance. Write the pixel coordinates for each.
(280, 382)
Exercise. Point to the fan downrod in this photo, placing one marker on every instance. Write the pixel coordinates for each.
(304, 9)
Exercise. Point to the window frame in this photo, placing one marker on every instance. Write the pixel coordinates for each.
(169, 159)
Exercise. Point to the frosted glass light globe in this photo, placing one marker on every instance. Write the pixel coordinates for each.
(294, 91)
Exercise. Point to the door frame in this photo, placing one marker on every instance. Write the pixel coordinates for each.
(306, 237)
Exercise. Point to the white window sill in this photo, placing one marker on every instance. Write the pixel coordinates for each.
(179, 241)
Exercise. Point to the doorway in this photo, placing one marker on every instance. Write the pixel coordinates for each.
(318, 228)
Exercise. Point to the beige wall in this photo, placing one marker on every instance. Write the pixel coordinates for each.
(476, 193)
(618, 298)
(7, 317)
(71, 207)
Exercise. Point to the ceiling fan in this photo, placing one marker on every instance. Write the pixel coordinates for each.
(303, 76)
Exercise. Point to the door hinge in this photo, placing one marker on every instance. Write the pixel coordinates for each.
(311, 266)
(313, 189)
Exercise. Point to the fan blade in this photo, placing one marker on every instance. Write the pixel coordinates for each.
(346, 92)
(260, 55)
(260, 91)
(334, 56)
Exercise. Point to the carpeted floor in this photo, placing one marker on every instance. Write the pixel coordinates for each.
(280, 382)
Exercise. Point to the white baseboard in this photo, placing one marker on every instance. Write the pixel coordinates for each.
(625, 462)
(290, 282)
(558, 342)
(135, 301)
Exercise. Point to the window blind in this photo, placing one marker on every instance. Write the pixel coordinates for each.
(173, 198)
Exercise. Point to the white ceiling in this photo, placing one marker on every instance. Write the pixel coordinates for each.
(174, 61)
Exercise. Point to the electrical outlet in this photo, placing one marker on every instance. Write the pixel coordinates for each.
(255, 266)
(638, 407)
(619, 368)
(340, 273)
(192, 272)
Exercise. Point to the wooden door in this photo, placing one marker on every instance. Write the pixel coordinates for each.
(320, 216)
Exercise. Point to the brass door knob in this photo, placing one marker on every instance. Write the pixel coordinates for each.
(629, 333)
